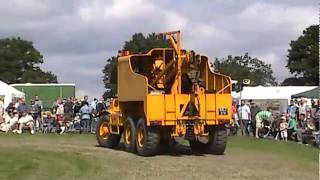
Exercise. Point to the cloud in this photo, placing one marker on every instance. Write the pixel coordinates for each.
(77, 36)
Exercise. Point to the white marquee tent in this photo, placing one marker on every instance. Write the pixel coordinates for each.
(280, 94)
(272, 92)
(9, 92)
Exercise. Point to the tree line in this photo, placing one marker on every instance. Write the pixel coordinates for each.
(302, 62)
(20, 62)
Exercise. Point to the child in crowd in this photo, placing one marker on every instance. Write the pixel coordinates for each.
(48, 122)
(283, 128)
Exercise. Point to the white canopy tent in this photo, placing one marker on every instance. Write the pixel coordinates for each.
(279, 95)
(272, 92)
(9, 92)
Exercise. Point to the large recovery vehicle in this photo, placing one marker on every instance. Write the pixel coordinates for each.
(167, 93)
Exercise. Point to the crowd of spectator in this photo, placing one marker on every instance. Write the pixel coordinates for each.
(68, 114)
(300, 122)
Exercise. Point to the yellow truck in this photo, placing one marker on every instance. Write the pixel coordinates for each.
(167, 93)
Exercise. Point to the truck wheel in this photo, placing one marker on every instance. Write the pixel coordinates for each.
(129, 135)
(103, 135)
(217, 140)
(198, 147)
(147, 140)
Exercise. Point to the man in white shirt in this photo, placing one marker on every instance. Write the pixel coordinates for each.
(25, 120)
(245, 116)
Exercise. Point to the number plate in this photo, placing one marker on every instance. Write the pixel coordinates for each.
(223, 111)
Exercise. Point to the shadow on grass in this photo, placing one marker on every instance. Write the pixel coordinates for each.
(178, 150)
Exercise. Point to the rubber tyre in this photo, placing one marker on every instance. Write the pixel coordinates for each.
(129, 145)
(199, 147)
(151, 139)
(217, 140)
(112, 140)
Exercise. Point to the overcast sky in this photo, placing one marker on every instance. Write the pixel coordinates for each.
(77, 36)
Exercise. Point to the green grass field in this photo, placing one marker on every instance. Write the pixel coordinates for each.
(73, 156)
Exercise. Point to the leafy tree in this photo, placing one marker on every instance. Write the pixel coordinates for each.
(138, 44)
(110, 77)
(245, 67)
(19, 62)
(303, 57)
(293, 81)
(141, 44)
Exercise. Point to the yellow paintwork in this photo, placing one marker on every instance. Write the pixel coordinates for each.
(139, 96)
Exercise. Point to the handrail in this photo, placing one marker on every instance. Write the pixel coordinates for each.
(223, 88)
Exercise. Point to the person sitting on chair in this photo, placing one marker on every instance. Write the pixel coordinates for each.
(10, 120)
(48, 122)
(283, 128)
(25, 120)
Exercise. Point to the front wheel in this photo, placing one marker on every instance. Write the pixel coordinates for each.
(218, 140)
(103, 134)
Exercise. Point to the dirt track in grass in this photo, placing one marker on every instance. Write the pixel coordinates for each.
(77, 157)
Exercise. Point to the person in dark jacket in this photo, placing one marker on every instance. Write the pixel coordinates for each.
(38, 102)
(23, 108)
(11, 107)
(76, 108)
(34, 111)
(254, 109)
(101, 106)
(68, 110)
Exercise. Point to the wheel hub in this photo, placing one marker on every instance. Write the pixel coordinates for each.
(127, 135)
(104, 130)
(140, 137)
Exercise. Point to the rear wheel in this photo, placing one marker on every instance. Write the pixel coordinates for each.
(218, 140)
(103, 134)
(147, 140)
(216, 144)
(129, 135)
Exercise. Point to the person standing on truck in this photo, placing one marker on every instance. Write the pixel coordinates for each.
(244, 115)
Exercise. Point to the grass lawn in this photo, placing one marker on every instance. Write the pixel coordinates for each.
(73, 156)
